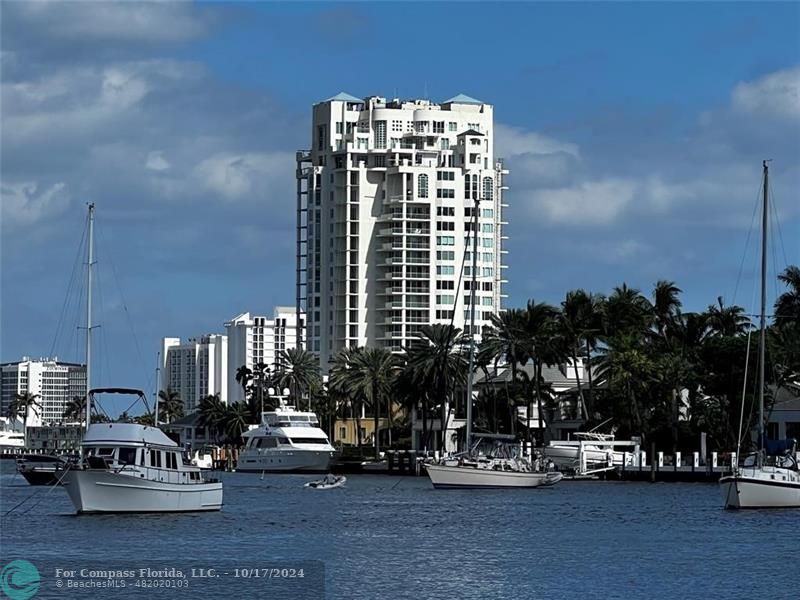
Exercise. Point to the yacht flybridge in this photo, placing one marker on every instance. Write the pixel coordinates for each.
(287, 440)
(126, 467)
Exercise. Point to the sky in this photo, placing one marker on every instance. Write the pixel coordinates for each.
(634, 134)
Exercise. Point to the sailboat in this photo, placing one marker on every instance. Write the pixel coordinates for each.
(763, 481)
(127, 467)
(501, 466)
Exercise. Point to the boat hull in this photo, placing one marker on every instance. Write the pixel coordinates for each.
(285, 461)
(40, 476)
(760, 491)
(455, 477)
(104, 491)
(568, 457)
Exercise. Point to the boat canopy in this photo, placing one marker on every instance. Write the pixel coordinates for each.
(126, 433)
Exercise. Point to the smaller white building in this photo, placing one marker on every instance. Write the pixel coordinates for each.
(195, 369)
(53, 381)
(254, 339)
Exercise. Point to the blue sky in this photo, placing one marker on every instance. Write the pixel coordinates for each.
(634, 134)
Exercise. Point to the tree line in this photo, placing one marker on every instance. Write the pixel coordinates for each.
(656, 370)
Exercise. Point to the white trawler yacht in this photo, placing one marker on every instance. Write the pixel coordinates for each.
(287, 440)
(767, 479)
(126, 467)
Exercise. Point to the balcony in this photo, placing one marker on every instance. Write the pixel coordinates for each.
(384, 231)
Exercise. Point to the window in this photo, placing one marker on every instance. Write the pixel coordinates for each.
(445, 255)
(321, 130)
(475, 126)
(362, 143)
(487, 188)
(127, 456)
(446, 211)
(444, 144)
(397, 126)
(380, 134)
(453, 126)
(422, 186)
(445, 299)
(445, 270)
(487, 213)
(446, 175)
(473, 158)
(438, 127)
(445, 226)
(445, 240)
(338, 127)
(380, 160)
(445, 314)
(444, 193)
(487, 228)
(467, 179)
(487, 242)
(445, 284)
(363, 127)
(487, 286)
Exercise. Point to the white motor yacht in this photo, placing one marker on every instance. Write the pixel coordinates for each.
(126, 467)
(287, 440)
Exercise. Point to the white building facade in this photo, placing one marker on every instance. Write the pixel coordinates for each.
(386, 202)
(55, 382)
(195, 369)
(254, 339)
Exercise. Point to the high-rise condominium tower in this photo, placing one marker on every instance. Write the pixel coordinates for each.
(385, 215)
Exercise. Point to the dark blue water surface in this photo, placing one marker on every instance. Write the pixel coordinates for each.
(389, 537)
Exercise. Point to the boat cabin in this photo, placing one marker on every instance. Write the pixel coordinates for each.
(137, 450)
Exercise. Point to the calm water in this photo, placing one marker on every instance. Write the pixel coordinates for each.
(388, 537)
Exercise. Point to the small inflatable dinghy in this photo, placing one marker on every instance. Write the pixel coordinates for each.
(327, 482)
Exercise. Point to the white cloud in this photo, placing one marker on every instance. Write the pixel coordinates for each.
(116, 22)
(515, 141)
(776, 94)
(80, 100)
(598, 202)
(156, 162)
(24, 203)
(240, 176)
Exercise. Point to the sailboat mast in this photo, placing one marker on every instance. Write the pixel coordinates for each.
(89, 266)
(763, 325)
(468, 436)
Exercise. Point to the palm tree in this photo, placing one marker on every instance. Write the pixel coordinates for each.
(438, 364)
(339, 385)
(170, 405)
(541, 323)
(626, 311)
(579, 324)
(371, 375)
(505, 339)
(22, 405)
(243, 377)
(235, 422)
(301, 371)
(75, 410)
(625, 364)
(213, 413)
(787, 306)
(727, 320)
(666, 304)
